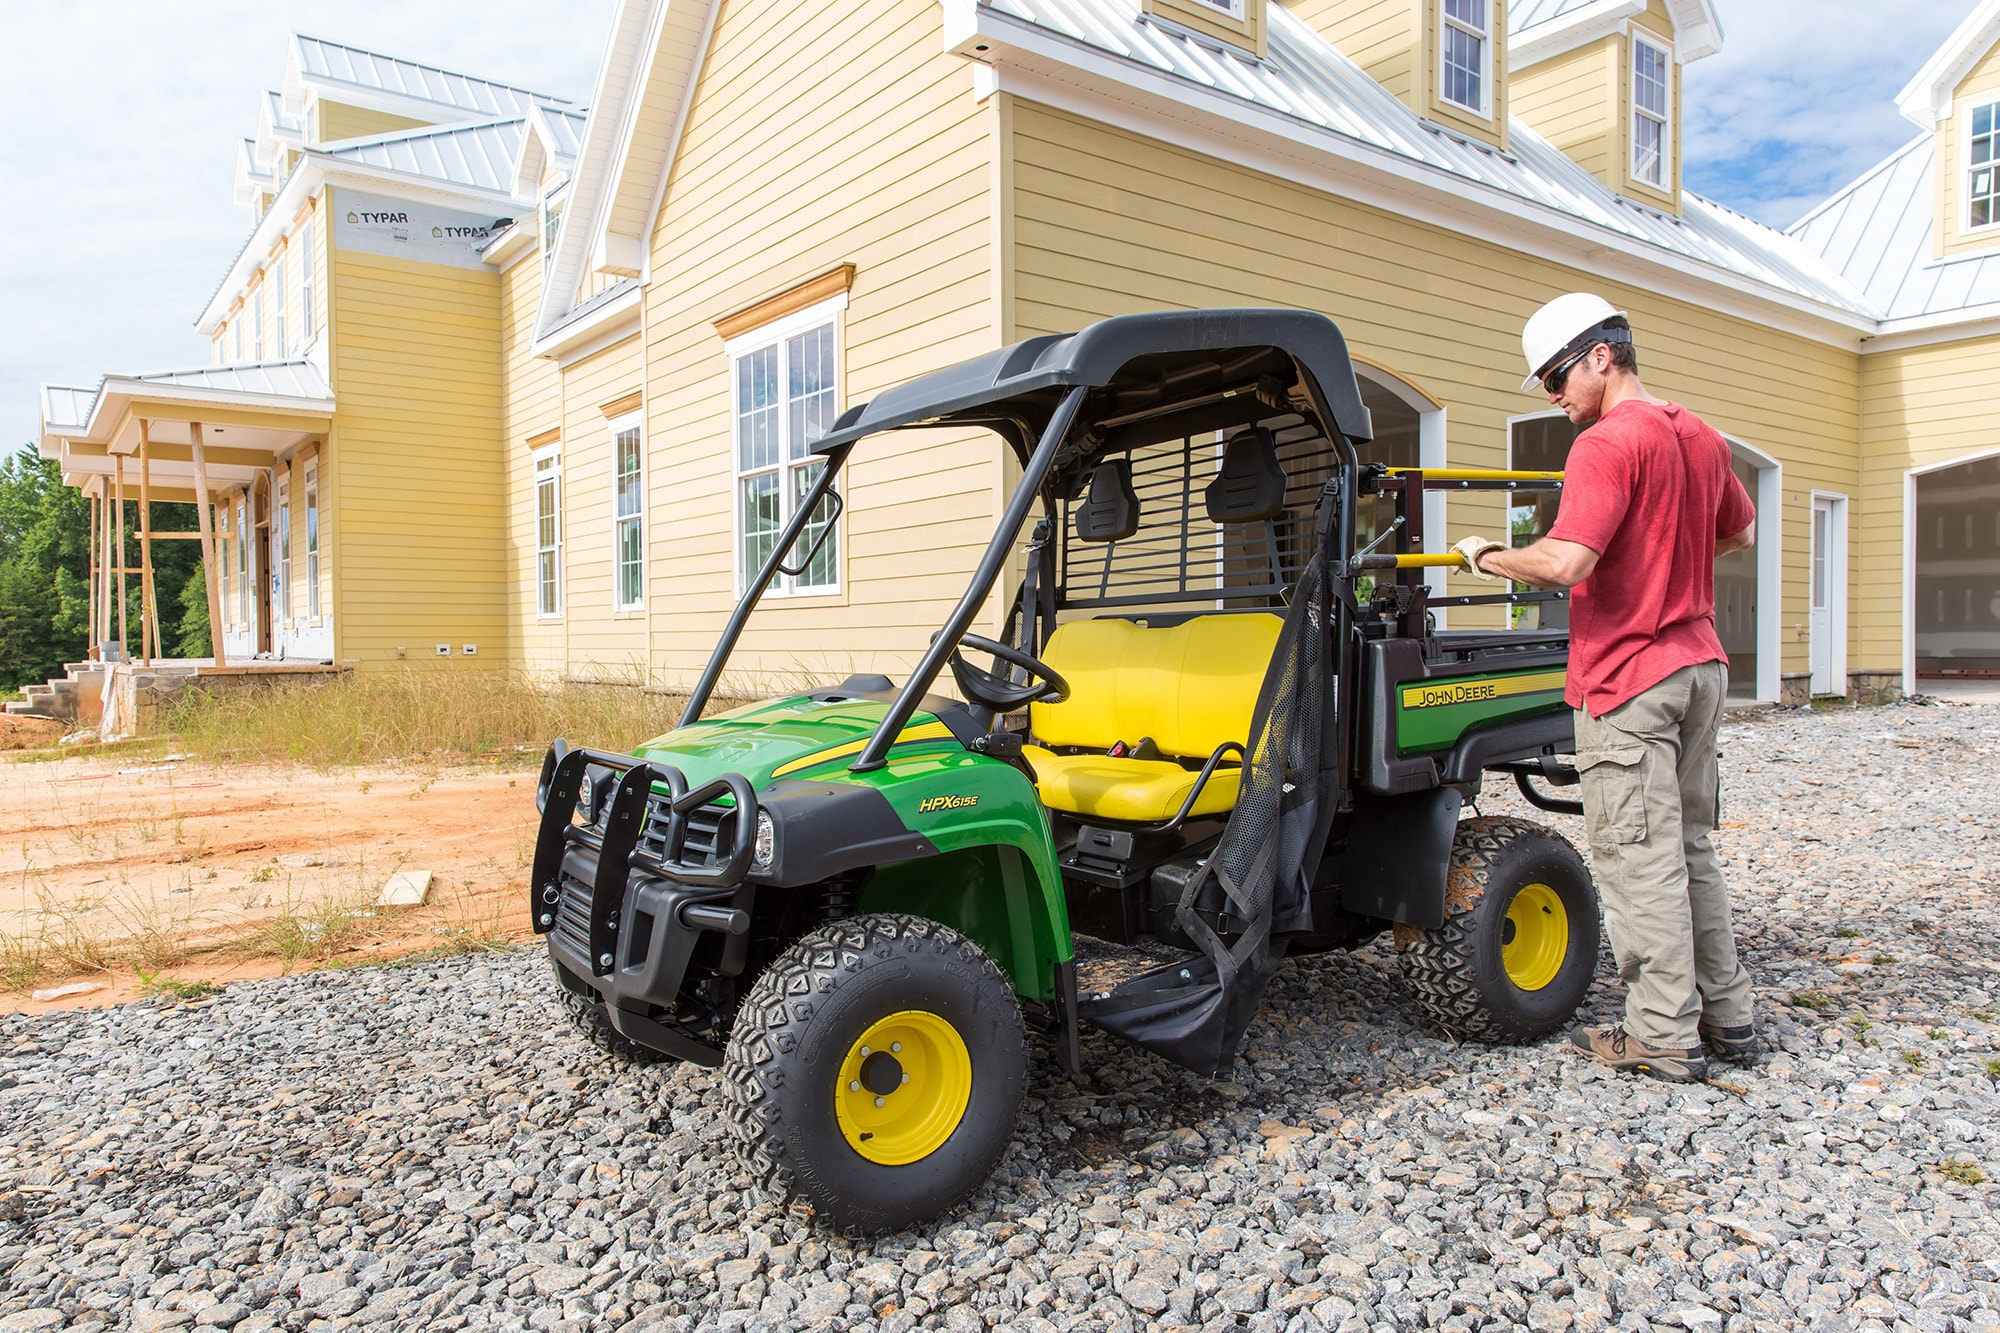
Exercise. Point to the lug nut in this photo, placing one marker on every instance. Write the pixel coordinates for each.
(896, 1046)
(878, 1101)
(864, 1052)
(854, 1086)
(906, 1078)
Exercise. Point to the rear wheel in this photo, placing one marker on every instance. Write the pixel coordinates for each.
(1518, 947)
(875, 1071)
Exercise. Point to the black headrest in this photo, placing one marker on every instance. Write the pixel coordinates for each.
(1251, 485)
(1110, 509)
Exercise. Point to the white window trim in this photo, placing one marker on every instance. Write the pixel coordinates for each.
(257, 325)
(1668, 147)
(308, 326)
(1485, 108)
(1965, 166)
(313, 553)
(281, 564)
(628, 421)
(279, 275)
(1233, 9)
(555, 474)
(244, 568)
(828, 311)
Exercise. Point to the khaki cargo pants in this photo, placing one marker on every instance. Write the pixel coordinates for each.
(1650, 791)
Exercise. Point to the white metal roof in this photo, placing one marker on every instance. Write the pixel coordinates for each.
(1878, 232)
(331, 63)
(1303, 77)
(479, 156)
(283, 379)
(65, 406)
(1525, 14)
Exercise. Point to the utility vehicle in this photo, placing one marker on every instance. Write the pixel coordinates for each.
(1216, 730)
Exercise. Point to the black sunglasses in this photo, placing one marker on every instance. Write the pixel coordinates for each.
(1552, 383)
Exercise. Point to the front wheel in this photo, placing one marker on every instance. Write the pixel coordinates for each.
(1518, 947)
(875, 1071)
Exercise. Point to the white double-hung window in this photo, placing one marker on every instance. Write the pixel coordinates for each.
(305, 286)
(1465, 44)
(243, 593)
(1652, 126)
(628, 536)
(312, 539)
(548, 532)
(1982, 183)
(257, 324)
(784, 391)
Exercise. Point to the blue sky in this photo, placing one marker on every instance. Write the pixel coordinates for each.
(127, 113)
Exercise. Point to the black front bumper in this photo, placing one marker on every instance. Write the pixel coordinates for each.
(630, 897)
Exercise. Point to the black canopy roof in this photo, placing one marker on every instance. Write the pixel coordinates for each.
(1138, 359)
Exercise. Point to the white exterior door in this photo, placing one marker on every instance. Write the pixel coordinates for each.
(1828, 617)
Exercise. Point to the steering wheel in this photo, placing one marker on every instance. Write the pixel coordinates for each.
(1004, 696)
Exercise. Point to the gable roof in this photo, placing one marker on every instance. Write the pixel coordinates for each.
(1539, 29)
(1322, 100)
(369, 78)
(551, 135)
(480, 157)
(1878, 232)
(1926, 99)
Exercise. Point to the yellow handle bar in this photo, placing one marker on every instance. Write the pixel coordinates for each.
(1474, 474)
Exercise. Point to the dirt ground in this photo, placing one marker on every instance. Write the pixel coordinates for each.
(117, 862)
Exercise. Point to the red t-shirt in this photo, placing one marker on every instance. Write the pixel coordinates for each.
(1649, 488)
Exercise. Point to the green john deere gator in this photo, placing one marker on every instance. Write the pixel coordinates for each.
(1217, 729)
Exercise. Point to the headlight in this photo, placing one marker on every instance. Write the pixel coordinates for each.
(767, 843)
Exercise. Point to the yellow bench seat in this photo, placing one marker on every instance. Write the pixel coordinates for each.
(1190, 687)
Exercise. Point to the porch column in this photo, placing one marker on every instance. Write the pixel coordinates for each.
(209, 567)
(90, 638)
(124, 649)
(149, 608)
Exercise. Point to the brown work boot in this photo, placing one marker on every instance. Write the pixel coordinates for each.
(1738, 1046)
(1621, 1050)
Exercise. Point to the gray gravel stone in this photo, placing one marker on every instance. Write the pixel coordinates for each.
(429, 1147)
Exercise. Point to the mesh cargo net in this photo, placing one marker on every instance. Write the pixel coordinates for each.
(1194, 1012)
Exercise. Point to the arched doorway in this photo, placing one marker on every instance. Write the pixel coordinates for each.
(1951, 564)
(1747, 583)
(1409, 432)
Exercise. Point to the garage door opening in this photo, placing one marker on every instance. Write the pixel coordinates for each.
(1954, 609)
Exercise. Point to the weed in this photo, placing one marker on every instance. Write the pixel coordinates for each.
(1811, 999)
(172, 990)
(1884, 960)
(22, 962)
(1965, 1173)
(1914, 1059)
(154, 936)
(1983, 1015)
(1846, 933)
(1938, 1034)
(1992, 1063)
(262, 874)
(1861, 1028)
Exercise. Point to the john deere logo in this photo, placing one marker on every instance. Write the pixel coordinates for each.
(931, 803)
(1445, 693)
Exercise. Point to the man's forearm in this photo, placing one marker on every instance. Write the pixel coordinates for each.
(1546, 564)
(1741, 541)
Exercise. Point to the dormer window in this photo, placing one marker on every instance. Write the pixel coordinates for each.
(1466, 45)
(1652, 135)
(1231, 8)
(1983, 183)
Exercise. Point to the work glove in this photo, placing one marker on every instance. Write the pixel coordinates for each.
(1471, 548)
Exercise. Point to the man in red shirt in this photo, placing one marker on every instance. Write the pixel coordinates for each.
(1649, 501)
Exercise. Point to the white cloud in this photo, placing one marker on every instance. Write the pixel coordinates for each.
(1801, 99)
(124, 119)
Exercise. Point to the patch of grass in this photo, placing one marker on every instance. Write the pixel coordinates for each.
(153, 936)
(1811, 999)
(1965, 1173)
(1938, 1034)
(22, 961)
(397, 715)
(172, 990)
(1914, 1059)
(1992, 1063)
(1862, 1027)
(1884, 960)
(1846, 933)
(1983, 1015)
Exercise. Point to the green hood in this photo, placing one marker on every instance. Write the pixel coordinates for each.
(768, 740)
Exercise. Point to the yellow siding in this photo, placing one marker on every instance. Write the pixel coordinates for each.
(604, 643)
(1661, 26)
(1923, 406)
(889, 167)
(1980, 84)
(1570, 100)
(338, 120)
(416, 460)
(1247, 32)
(532, 405)
(1107, 222)
(1491, 128)
(1381, 36)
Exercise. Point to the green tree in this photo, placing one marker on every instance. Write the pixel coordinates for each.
(44, 570)
(190, 636)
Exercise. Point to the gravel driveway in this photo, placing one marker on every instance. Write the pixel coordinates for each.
(425, 1147)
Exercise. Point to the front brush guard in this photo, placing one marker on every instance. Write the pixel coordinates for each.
(618, 854)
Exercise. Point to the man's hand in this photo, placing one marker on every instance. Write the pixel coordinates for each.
(1471, 548)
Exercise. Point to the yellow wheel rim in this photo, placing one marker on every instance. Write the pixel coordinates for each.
(903, 1088)
(1536, 937)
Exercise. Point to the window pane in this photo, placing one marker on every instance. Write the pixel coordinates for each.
(1649, 78)
(809, 386)
(631, 561)
(545, 600)
(630, 490)
(757, 410)
(1472, 13)
(821, 572)
(760, 521)
(1647, 163)
(1982, 120)
(1982, 212)
(1464, 61)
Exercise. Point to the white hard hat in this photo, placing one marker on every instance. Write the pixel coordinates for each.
(1560, 327)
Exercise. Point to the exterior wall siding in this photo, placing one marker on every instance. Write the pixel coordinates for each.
(338, 120)
(416, 460)
(531, 397)
(1108, 222)
(906, 197)
(1381, 36)
(1570, 100)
